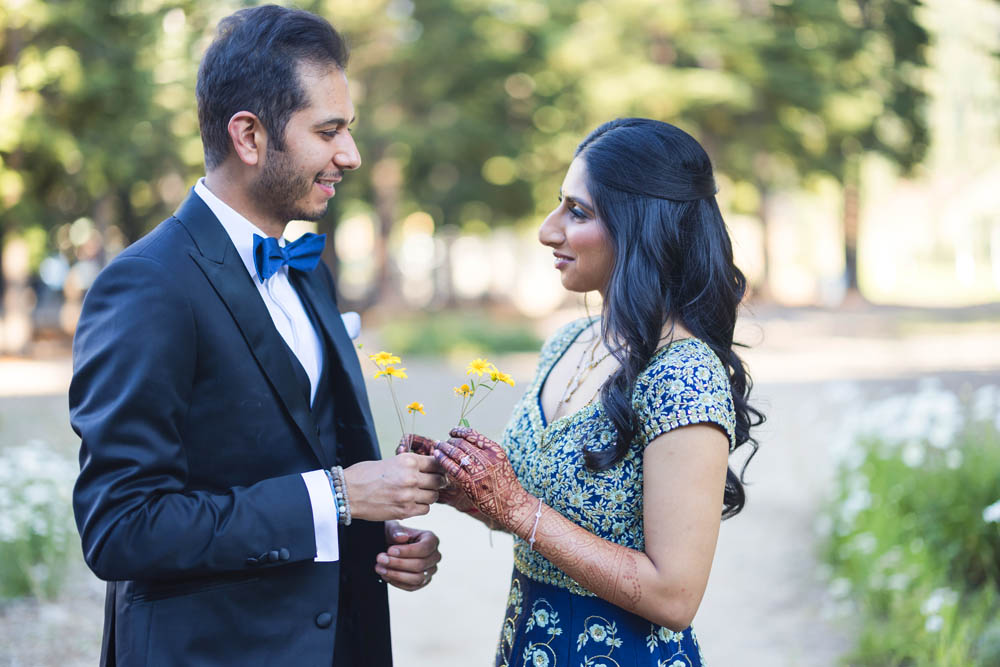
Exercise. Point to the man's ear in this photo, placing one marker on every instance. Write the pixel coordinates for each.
(248, 136)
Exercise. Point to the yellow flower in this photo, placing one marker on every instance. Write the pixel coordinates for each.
(383, 359)
(415, 407)
(479, 367)
(496, 375)
(392, 371)
(464, 390)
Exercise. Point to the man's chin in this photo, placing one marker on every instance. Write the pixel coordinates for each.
(310, 216)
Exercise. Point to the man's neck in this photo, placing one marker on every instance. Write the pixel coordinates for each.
(234, 194)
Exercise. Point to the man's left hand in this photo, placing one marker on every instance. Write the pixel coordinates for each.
(411, 559)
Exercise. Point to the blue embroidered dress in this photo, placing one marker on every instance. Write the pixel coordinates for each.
(552, 621)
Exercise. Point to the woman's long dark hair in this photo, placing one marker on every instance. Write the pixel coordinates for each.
(653, 188)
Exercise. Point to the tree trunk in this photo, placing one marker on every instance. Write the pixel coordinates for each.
(387, 177)
(763, 291)
(852, 293)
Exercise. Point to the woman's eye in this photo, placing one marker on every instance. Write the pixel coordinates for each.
(578, 213)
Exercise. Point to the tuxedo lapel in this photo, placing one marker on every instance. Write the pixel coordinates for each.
(311, 288)
(224, 269)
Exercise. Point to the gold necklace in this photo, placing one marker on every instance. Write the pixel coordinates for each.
(581, 372)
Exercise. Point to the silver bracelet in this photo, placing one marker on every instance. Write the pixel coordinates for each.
(538, 515)
(340, 495)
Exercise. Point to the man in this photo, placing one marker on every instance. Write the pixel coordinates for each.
(215, 385)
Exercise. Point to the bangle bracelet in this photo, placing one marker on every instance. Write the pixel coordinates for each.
(340, 495)
(538, 515)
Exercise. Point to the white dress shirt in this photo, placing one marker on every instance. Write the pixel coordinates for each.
(292, 322)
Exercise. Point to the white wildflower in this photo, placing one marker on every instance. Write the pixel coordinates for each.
(864, 543)
(937, 600)
(934, 623)
(991, 514)
(913, 454)
(985, 403)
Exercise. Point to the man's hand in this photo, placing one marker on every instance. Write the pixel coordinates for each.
(412, 557)
(397, 488)
(450, 494)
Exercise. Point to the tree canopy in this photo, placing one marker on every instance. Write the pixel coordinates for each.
(468, 109)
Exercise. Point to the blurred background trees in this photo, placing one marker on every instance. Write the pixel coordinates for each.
(468, 113)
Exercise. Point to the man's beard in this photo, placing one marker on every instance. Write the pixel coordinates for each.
(280, 187)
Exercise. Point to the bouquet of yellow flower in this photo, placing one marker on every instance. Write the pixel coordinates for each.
(468, 391)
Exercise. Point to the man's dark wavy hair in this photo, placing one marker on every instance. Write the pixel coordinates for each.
(653, 189)
(253, 66)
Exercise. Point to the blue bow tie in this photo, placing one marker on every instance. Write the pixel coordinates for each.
(302, 254)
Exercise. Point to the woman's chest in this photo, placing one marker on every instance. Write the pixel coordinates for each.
(550, 464)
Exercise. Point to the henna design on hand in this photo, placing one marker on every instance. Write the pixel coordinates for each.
(483, 472)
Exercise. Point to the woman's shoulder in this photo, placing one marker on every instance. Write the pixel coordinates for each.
(683, 358)
(685, 383)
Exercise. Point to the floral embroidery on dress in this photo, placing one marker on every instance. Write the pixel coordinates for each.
(683, 384)
(514, 600)
(598, 630)
(540, 654)
(667, 636)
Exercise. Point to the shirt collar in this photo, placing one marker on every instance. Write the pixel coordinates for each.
(241, 231)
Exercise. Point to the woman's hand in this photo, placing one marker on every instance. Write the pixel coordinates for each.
(450, 494)
(482, 471)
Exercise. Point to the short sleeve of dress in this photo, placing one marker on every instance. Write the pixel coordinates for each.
(686, 384)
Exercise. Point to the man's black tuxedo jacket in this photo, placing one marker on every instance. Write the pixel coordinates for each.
(194, 429)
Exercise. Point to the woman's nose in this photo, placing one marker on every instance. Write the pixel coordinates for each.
(550, 233)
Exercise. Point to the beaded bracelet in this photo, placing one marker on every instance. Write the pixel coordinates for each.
(333, 491)
(340, 495)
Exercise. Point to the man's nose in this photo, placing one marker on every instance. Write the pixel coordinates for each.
(347, 156)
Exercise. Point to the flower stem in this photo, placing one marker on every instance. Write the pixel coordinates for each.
(488, 388)
(399, 415)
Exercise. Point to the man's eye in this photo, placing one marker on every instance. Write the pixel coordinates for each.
(329, 133)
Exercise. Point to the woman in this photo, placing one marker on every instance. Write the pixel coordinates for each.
(614, 467)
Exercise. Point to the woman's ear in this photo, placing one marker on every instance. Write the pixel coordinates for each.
(248, 136)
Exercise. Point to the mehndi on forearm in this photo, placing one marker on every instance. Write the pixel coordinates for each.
(608, 570)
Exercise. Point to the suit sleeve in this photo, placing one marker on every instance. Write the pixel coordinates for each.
(135, 360)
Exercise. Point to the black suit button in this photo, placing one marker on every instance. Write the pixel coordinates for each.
(324, 620)
(273, 556)
(283, 554)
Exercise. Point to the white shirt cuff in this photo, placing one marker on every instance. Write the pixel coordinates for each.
(324, 509)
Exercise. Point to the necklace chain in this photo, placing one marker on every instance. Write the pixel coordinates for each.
(582, 372)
